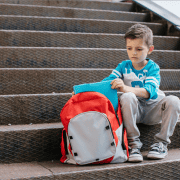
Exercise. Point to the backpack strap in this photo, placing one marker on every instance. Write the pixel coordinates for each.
(63, 145)
(119, 114)
(125, 142)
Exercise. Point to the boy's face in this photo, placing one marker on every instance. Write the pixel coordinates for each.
(137, 51)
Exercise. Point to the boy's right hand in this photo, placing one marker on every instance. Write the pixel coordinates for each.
(73, 93)
(118, 84)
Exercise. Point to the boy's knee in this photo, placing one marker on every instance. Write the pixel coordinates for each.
(128, 98)
(173, 102)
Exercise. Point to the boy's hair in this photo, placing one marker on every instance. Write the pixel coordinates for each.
(141, 32)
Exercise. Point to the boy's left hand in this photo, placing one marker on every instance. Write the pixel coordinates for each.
(118, 83)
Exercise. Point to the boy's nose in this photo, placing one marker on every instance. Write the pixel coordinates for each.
(134, 52)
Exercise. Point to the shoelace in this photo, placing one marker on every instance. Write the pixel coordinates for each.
(135, 151)
(158, 146)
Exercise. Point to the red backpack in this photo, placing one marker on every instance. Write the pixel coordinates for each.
(93, 132)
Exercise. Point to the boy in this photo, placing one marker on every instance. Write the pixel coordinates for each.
(142, 101)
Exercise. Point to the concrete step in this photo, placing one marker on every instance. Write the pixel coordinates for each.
(77, 40)
(37, 108)
(22, 143)
(61, 80)
(55, 57)
(76, 4)
(31, 10)
(11, 22)
(30, 126)
(32, 108)
(167, 168)
(40, 142)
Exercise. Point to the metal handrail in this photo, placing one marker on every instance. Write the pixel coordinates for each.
(160, 11)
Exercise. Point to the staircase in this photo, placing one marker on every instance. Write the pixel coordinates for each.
(46, 47)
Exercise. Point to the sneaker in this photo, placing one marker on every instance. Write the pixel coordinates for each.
(135, 155)
(158, 151)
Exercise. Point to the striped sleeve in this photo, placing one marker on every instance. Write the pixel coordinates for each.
(152, 81)
(116, 73)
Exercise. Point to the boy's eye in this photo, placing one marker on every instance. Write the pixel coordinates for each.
(139, 49)
(129, 48)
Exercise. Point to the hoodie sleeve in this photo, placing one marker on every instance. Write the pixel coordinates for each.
(116, 73)
(152, 81)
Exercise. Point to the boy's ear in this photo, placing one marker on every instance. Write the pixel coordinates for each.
(151, 49)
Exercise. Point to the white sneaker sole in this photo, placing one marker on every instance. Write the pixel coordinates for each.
(156, 156)
(135, 159)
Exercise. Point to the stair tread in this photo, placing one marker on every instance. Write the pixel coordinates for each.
(58, 7)
(52, 169)
(74, 48)
(37, 108)
(173, 155)
(73, 69)
(28, 38)
(80, 4)
(72, 25)
(26, 143)
(73, 19)
(84, 19)
(29, 127)
(48, 80)
(55, 57)
(81, 33)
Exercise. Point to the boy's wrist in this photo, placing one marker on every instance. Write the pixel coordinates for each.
(123, 89)
(141, 92)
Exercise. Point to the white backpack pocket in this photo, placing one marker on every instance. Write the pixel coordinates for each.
(91, 137)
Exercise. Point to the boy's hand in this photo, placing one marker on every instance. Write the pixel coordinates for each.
(118, 83)
(73, 93)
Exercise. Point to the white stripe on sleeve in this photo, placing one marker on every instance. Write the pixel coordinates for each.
(152, 82)
(153, 79)
(117, 72)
